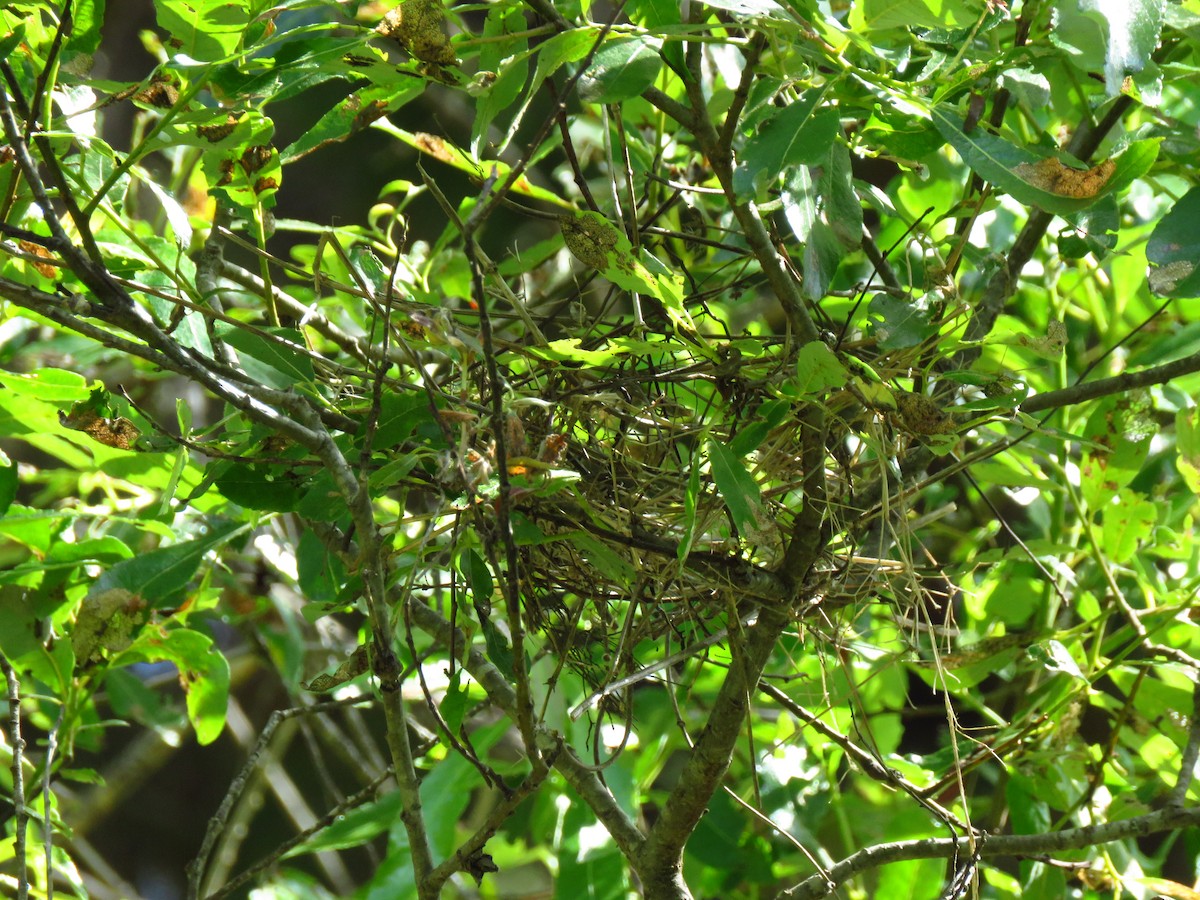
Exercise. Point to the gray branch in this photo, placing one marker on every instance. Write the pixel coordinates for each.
(1018, 845)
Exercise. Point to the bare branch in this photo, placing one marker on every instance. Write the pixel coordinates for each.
(17, 742)
(1018, 845)
(579, 775)
(1117, 384)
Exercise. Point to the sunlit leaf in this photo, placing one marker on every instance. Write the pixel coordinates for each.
(621, 69)
(207, 30)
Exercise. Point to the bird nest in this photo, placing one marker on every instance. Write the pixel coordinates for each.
(630, 543)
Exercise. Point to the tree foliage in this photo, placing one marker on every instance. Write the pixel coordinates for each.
(748, 448)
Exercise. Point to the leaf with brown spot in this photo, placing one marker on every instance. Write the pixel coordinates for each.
(1051, 175)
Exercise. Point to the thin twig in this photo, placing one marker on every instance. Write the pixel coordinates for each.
(17, 742)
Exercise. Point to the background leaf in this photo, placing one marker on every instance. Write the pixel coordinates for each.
(621, 69)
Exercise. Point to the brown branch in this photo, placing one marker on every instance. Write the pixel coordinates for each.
(195, 869)
(1018, 845)
(1117, 384)
(357, 799)
(1191, 752)
(660, 863)
(582, 778)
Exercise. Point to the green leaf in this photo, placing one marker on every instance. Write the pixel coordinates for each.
(690, 498)
(281, 363)
(899, 323)
(87, 17)
(446, 793)
(19, 622)
(569, 349)
(351, 115)
(510, 79)
(818, 369)
(596, 242)
(769, 8)
(620, 70)
(57, 385)
(800, 134)
(1042, 181)
(1187, 443)
(1127, 523)
(1056, 658)
(400, 414)
(354, 828)
(259, 486)
(738, 489)
(1128, 31)
(1174, 249)
(298, 66)
(479, 170)
(160, 576)
(604, 558)
(8, 483)
(206, 30)
(243, 167)
(565, 47)
(588, 868)
(880, 15)
(479, 578)
(766, 417)
(456, 703)
(203, 669)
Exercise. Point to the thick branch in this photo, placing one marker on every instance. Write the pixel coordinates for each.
(1019, 845)
(660, 863)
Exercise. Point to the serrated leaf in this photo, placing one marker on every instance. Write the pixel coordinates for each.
(620, 70)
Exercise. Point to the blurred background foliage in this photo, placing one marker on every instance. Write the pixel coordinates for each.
(611, 336)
